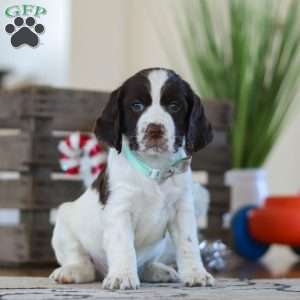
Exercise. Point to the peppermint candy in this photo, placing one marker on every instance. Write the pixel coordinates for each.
(81, 154)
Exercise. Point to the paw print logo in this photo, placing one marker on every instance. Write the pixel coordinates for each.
(24, 33)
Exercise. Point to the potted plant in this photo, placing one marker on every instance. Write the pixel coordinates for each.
(248, 53)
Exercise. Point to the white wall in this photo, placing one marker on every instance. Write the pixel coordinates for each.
(48, 63)
(98, 49)
(115, 38)
(283, 164)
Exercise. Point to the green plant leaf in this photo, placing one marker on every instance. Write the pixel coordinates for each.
(252, 59)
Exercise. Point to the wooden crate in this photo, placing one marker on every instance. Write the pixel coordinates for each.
(30, 120)
(215, 160)
(3, 73)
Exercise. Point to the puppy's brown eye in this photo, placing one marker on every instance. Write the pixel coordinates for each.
(137, 106)
(173, 107)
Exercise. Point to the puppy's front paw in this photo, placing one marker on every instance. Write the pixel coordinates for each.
(126, 281)
(158, 272)
(73, 274)
(202, 278)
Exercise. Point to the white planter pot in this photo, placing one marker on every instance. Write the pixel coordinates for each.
(248, 186)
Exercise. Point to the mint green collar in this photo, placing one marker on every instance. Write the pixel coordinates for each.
(176, 167)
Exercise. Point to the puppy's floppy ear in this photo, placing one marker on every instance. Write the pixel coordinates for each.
(108, 126)
(199, 131)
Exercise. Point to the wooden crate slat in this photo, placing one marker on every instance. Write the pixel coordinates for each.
(218, 113)
(84, 113)
(212, 159)
(21, 246)
(220, 138)
(36, 194)
(93, 104)
(16, 248)
(14, 151)
(15, 193)
(52, 193)
(49, 194)
(11, 110)
(219, 196)
(216, 179)
(216, 156)
(45, 152)
(216, 233)
(83, 107)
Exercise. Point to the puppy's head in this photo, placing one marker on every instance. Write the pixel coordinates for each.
(158, 112)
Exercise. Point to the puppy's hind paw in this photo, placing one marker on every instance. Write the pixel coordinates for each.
(158, 272)
(73, 274)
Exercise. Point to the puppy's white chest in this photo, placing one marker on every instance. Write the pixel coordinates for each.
(156, 207)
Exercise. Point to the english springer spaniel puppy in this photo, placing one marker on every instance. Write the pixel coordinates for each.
(118, 229)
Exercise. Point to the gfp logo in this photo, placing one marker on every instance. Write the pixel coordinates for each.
(25, 30)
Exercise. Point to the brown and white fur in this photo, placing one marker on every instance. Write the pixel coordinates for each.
(117, 229)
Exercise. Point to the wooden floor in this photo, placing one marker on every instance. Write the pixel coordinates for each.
(279, 262)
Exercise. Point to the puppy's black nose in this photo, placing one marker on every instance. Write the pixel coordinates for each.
(155, 131)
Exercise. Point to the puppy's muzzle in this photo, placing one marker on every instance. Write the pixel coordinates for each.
(154, 137)
(154, 131)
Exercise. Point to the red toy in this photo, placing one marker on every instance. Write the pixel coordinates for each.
(255, 228)
(80, 153)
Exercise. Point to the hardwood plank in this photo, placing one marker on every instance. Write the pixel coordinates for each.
(11, 109)
(216, 157)
(14, 152)
(212, 159)
(16, 193)
(219, 113)
(50, 194)
(81, 107)
(30, 193)
(13, 245)
(20, 245)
